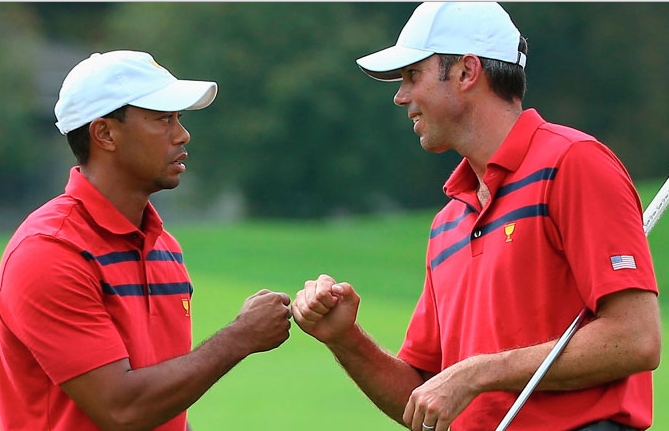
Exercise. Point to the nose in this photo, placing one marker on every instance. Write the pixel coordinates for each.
(402, 96)
(182, 135)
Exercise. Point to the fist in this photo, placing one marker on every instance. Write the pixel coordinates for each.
(264, 320)
(326, 310)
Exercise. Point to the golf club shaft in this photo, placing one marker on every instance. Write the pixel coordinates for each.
(650, 218)
(656, 208)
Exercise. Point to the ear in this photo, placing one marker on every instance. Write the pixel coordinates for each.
(101, 134)
(472, 70)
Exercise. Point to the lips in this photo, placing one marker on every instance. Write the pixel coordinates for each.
(415, 118)
(179, 162)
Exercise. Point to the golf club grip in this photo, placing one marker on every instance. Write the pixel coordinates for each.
(650, 217)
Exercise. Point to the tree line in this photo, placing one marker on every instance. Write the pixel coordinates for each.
(297, 131)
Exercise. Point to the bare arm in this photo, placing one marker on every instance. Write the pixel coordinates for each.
(117, 397)
(385, 379)
(328, 311)
(623, 339)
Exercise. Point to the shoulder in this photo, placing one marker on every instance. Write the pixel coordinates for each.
(566, 133)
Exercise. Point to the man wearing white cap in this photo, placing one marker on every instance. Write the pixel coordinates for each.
(542, 221)
(95, 300)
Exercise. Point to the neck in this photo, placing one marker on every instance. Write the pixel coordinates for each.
(130, 203)
(482, 193)
(494, 120)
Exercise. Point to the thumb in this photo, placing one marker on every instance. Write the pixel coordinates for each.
(344, 291)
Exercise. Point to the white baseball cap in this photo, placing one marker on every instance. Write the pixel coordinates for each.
(480, 28)
(105, 82)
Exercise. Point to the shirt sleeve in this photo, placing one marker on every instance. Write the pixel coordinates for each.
(51, 300)
(422, 345)
(599, 217)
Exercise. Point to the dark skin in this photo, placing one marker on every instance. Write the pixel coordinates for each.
(129, 161)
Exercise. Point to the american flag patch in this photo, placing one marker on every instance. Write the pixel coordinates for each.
(623, 261)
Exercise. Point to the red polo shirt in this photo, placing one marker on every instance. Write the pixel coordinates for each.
(563, 228)
(81, 287)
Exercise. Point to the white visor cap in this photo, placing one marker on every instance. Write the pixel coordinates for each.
(105, 82)
(480, 28)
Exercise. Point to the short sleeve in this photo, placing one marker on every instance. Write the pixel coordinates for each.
(422, 344)
(599, 217)
(51, 300)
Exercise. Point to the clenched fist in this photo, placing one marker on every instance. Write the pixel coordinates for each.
(264, 320)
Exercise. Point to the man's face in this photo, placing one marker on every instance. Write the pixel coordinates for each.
(435, 106)
(150, 149)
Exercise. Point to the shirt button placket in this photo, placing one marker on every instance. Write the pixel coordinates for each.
(476, 244)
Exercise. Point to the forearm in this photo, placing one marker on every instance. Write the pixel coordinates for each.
(624, 339)
(143, 398)
(119, 397)
(171, 387)
(385, 379)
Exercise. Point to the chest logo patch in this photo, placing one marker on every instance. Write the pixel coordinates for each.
(509, 228)
(185, 302)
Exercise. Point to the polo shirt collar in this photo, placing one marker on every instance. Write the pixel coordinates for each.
(509, 155)
(103, 212)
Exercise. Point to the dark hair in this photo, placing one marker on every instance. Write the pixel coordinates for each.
(507, 80)
(79, 139)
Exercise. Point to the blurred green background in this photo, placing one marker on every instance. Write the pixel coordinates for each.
(303, 165)
(298, 131)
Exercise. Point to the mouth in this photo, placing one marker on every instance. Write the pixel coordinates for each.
(179, 162)
(415, 119)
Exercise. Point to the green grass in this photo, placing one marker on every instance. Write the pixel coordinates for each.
(299, 386)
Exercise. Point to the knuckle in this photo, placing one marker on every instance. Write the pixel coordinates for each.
(313, 302)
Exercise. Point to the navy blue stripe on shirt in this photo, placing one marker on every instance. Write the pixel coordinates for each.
(134, 256)
(539, 210)
(165, 255)
(154, 289)
(540, 175)
(448, 252)
(119, 257)
(170, 288)
(450, 224)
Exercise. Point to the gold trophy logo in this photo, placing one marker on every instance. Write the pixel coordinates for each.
(508, 231)
(186, 304)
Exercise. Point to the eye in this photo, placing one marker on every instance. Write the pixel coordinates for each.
(171, 117)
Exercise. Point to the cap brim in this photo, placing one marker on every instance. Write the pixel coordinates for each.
(180, 95)
(386, 65)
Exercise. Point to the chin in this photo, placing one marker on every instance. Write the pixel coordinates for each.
(431, 147)
(168, 184)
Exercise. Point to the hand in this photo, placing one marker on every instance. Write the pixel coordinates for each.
(326, 310)
(264, 320)
(442, 398)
